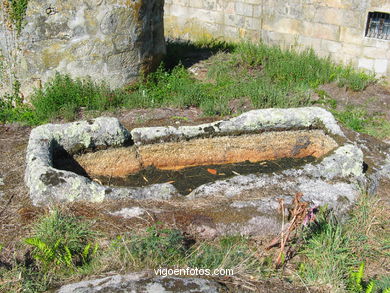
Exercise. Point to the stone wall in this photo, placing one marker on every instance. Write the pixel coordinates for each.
(330, 27)
(110, 40)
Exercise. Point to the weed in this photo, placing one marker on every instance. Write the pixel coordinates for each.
(327, 252)
(356, 283)
(12, 108)
(334, 249)
(155, 248)
(354, 80)
(358, 119)
(63, 96)
(16, 10)
(230, 252)
(168, 247)
(62, 241)
(353, 118)
(383, 284)
(182, 118)
(266, 76)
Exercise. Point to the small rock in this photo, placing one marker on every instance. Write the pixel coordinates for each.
(128, 213)
(140, 282)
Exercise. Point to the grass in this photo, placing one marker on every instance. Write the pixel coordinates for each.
(154, 248)
(334, 250)
(265, 76)
(60, 246)
(61, 241)
(331, 253)
(161, 247)
(357, 118)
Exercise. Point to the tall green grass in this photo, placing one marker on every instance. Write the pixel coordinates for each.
(168, 248)
(266, 76)
(64, 96)
(334, 250)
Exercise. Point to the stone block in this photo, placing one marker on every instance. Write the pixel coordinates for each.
(283, 25)
(294, 10)
(209, 4)
(346, 4)
(330, 15)
(309, 12)
(214, 28)
(321, 31)
(254, 2)
(366, 63)
(381, 66)
(234, 20)
(196, 4)
(373, 52)
(179, 11)
(355, 19)
(331, 46)
(243, 9)
(351, 35)
(252, 23)
(351, 49)
(309, 42)
(384, 5)
(204, 15)
(229, 7)
(257, 11)
(377, 43)
(231, 32)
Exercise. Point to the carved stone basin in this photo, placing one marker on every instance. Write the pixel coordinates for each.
(235, 169)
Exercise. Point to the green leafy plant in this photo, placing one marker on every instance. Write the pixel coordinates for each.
(157, 247)
(64, 96)
(356, 283)
(13, 109)
(16, 11)
(62, 241)
(358, 119)
(230, 252)
(265, 76)
(353, 79)
(327, 251)
(332, 249)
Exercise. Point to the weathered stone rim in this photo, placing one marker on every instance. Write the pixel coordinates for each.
(49, 185)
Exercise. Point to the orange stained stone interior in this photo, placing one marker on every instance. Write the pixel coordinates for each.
(120, 162)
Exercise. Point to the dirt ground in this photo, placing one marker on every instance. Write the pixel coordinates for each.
(17, 212)
(375, 99)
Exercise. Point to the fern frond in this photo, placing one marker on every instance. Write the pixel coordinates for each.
(359, 275)
(370, 287)
(44, 253)
(95, 248)
(67, 256)
(85, 253)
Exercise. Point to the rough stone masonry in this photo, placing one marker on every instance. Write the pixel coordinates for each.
(335, 28)
(110, 40)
